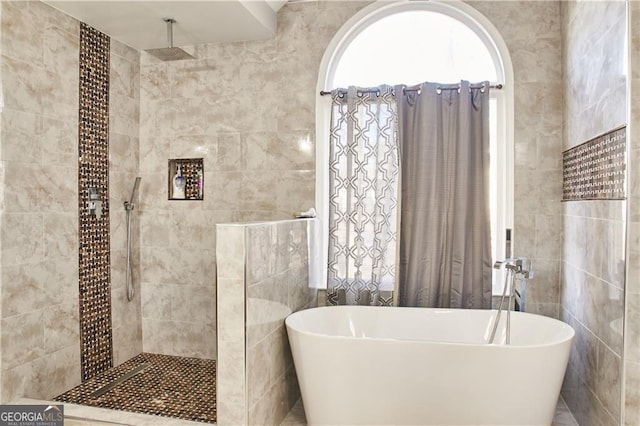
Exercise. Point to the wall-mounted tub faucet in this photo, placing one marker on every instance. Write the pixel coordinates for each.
(519, 268)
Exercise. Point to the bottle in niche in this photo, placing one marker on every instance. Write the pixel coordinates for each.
(178, 185)
(200, 184)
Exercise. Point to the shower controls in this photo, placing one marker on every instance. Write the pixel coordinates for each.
(95, 203)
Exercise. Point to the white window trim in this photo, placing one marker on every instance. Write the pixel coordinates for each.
(497, 48)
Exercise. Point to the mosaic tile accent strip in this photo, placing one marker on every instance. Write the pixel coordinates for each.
(595, 170)
(93, 172)
(172, 386)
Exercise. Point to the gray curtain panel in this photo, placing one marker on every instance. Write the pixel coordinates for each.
(363, 180)
(445, 240)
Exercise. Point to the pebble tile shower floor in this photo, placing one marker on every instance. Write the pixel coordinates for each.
(171, 386)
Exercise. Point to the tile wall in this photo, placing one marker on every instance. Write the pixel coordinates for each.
(264, 168)
(259, 165)
(247, 109)
(593, 284)
(40, 347)
(124, 158)
(632, 315)
(532, 32)
(263, 277)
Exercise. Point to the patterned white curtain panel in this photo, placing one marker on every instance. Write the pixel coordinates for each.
(363, 182)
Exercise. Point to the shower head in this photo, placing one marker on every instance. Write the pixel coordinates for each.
(134, 192)
(170, 53)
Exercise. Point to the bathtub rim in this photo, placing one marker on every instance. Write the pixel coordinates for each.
(568, 338)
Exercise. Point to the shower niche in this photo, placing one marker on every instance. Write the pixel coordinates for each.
(186, 179)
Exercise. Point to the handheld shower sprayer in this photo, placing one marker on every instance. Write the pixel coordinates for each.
(128, 207)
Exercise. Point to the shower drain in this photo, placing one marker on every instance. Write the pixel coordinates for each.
(106, 388)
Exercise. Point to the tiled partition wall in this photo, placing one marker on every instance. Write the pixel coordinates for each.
(262, 278)
(593, 283)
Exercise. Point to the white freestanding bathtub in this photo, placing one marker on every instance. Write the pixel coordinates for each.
(361, 365)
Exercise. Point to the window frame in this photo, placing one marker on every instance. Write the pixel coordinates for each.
(504, 99)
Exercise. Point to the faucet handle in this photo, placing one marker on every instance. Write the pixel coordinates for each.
(525, 269)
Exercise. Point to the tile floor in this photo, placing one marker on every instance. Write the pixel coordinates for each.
(167, 386)
(563, 416)
(77, 415)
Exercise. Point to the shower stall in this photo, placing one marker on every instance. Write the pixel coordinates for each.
(67, 271)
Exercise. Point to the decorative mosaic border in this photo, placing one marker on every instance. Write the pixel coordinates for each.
(595, 170)
(96, 347)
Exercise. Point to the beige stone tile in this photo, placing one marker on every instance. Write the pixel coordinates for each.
(231, 309)
(18, 40)
(58, 141)
(536, 59)
(298, 182)
(58, 189)
(22, 238)
(261, 252)
(169, 266)
(534, 19)
(61, 235)
(548, 236)
(632, 394)
(155, 82)
(19, 137)
(155, 228)
(257, 190)
(179, 339)
(30, 287)
(230, 253)
(278, 151)
(156, 301)
(194, 304)
(608, 383)
(61, 326)
(23, 195)
(22, 339)
(123, 153)
(54, 374)
(223, 190)
(61, 50)
(127, 342)
(192, 230)
(258, 372)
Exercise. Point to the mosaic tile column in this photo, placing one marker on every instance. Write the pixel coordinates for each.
(93, 172)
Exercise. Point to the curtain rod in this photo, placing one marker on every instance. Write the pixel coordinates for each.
(498, 86)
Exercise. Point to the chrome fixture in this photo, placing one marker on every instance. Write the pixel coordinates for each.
(519, 268)
(170, 53)
(95, 203)
(128, 207)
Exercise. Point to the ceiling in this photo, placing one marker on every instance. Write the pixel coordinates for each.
(140, 24)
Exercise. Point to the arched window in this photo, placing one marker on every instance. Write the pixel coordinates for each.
(411, 42)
